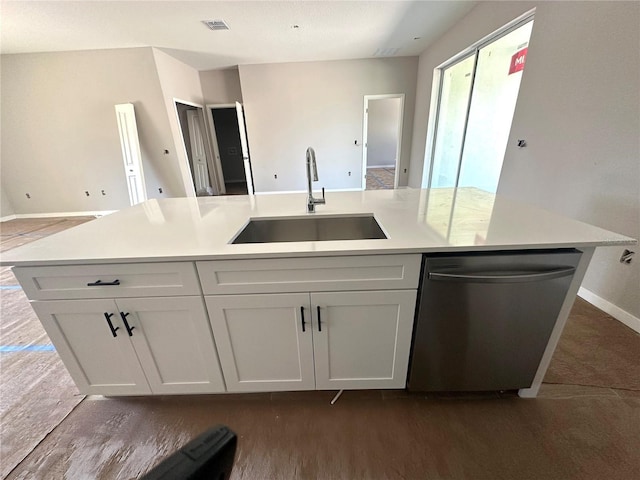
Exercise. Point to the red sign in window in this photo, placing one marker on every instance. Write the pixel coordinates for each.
(517, 61)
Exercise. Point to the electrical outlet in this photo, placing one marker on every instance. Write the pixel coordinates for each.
(626, 257)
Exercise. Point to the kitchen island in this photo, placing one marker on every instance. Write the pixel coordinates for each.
(155, 299)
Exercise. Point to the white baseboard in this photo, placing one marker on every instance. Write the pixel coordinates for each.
(613, 310)
(100, 213)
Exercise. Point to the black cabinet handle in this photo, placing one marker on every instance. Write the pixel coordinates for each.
(100, 283)
(126, 324)
(319, 320)
(108, 316)
(302, 315)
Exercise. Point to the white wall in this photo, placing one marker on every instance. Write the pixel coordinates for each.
(578, 109)
(60, 135)
(6, 209)
(221, 86)
(382, 131)
(178, 82)
(292, 106)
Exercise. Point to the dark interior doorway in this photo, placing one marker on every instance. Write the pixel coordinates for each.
(227, 132)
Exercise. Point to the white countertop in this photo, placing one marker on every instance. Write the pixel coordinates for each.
(414, 220)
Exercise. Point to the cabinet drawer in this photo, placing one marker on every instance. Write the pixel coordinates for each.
(369, 272)
(109, 280)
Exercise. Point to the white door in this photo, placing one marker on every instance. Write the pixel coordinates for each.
(245, 148)
(198, 154)
(362, 339)
(262, 342)
(172, 338)
(131, 155)
(93, 343)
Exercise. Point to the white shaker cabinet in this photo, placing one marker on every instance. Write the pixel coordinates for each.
(134, 346)
(100, 358)
(261, 341)
(302, 341)
(362, 339)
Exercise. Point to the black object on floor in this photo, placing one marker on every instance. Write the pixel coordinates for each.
(208, 456)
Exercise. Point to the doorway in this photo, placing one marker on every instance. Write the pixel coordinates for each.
(477, 98)
(191, 119)
(231, 149)
(382, 138)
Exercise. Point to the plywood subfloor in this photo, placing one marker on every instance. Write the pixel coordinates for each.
(36, 392)
(380, 178)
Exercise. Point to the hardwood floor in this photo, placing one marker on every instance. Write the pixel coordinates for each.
(583, 425)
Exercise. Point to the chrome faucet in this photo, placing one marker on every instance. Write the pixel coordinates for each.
(311, 163)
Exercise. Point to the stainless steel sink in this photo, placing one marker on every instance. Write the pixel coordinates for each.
(310, 229)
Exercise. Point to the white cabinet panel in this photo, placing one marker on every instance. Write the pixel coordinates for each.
(362, 339)
(261, 342)
(109, 280)
(173, 340)
(99, 362)
(369, 272)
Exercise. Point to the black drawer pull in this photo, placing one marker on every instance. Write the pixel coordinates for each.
(113, 330)
(319, 320)
(126, 324)
(100, 283)
(302, 315)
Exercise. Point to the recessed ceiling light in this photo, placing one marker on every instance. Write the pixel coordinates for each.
(216, 24)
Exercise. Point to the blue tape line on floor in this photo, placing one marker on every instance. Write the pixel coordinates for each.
(27, 348)
(10, 287)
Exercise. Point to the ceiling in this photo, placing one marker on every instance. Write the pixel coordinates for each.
(260, 31)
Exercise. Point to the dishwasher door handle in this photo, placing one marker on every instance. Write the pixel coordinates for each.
(536, 276)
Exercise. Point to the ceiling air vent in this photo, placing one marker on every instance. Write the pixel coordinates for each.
(216, 24)
(386, 52)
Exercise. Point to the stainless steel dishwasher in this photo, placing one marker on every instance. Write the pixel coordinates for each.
(484, 319)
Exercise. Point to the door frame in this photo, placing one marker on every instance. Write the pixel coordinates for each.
(436, 90)
(216, 149)
(365, 126)
(207, 147)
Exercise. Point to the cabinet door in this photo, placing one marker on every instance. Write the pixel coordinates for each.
(99, 362)
(261, 341)
(173, 340)
(362, 339)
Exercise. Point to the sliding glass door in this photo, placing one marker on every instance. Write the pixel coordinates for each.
(477, 99)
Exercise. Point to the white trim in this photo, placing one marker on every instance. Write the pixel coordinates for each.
(94, 213)
(606, 306)
(365, 127)
(561, 321)
(208, 149)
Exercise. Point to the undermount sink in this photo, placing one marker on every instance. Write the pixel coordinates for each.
(310, 229)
